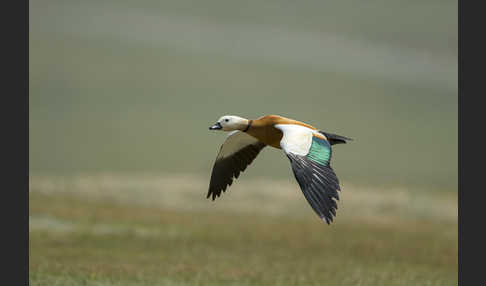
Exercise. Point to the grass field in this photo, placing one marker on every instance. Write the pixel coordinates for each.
(155, 230)
(121, 97)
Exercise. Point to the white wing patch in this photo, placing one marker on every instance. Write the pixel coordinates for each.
(235, 141)
(296, 139)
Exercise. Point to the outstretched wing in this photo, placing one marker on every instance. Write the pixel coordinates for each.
(237, 152)
(310, 154)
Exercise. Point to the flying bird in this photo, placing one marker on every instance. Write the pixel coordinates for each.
(308, 149)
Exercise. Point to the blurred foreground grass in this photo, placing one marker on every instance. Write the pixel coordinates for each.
(130, 87)
(160, 230)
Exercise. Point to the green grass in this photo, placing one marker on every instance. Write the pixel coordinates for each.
(80, 234)
(121, 97)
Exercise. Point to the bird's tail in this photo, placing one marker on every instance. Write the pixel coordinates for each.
(335, 139)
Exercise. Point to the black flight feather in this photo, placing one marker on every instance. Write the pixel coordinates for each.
(318, 183)
(225, 169)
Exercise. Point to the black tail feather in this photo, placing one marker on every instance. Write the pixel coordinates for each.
(335, 139)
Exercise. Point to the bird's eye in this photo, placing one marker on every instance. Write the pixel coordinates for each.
(226, 120)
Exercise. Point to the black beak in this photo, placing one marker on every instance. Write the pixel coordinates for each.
(216, 126)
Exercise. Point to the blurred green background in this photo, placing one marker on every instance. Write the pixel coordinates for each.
(132, 86)
(121, 97)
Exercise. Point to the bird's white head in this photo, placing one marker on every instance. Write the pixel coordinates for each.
(230, 123)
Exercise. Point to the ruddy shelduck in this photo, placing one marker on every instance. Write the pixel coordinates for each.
(308, 149)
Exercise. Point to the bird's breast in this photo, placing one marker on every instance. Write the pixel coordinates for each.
(269, 135)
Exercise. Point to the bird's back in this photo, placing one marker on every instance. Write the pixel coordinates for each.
(263, 128)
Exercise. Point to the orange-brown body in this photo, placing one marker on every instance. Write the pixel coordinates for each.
(263, 129)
